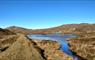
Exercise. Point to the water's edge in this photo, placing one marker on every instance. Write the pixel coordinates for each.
(64, 44)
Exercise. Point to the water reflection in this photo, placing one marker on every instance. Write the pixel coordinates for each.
(56, 37)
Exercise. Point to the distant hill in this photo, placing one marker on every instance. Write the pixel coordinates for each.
(19, 29)
(68, 28)
(4, 32)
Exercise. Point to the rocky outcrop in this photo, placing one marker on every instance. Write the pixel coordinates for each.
(84, 47)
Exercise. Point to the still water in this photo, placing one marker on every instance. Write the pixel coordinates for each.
(58, 38)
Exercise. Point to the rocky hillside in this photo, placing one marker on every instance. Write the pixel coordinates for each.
(84, 47)
(14, 45)
(5, 32)
(19, 47)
